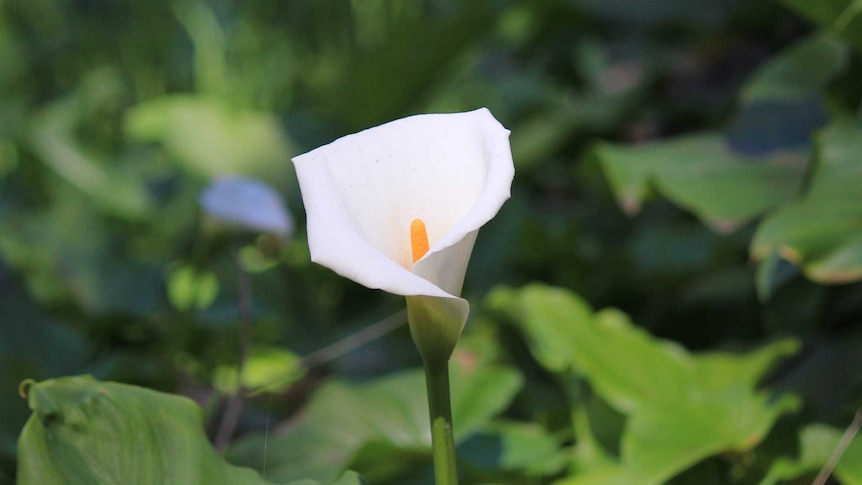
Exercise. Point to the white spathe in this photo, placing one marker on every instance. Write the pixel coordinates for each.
(361, 192)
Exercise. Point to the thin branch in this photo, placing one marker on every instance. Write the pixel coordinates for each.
(850, 12)
(343, 346)
(354, 341)
(234, 406)
(839, 450)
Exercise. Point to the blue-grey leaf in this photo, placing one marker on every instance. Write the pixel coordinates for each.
(247, 203)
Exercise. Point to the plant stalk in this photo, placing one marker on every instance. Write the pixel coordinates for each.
(233, 409)
(440, 410)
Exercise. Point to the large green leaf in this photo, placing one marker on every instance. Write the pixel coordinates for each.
(83, 431)
(822, 233)
(386, 418)
(799, 71)
(524, 447)
(816, 443)
(702, 174)
(681, 407)
(210, 138)
(32, 344)
(729, 179)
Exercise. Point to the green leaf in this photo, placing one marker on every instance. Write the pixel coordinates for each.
(55, 139)
(539, 137)
(68, 255)
(374, 95)
(700, 173)
(681, 407)
(772, 273)
(716, 176)
(349, 478)
(32, 345)
(517, 446)
(209, 138)
(388, 417)
(189, 289)
(816, 443)
(798, 72)
(839, 16)
(83, 431)
(267, 369)
(607, 475)
(822, 233)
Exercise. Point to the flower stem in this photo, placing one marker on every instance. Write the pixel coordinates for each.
(440, 409)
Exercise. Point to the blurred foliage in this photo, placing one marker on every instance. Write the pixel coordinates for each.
(379, 428)
(693, 164)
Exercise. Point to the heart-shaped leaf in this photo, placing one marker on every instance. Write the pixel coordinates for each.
(681, 407)
(83, 431)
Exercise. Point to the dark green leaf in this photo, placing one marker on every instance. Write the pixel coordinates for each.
(822, 233)
(840, 16)
(516, 446)
(799, 71)
(389, 414)
(701, 174)
(83, 431)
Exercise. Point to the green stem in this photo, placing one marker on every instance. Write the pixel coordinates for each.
(440, 408)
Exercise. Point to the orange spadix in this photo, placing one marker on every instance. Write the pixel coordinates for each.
(418, 239)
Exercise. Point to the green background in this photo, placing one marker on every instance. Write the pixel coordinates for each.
(671, 295)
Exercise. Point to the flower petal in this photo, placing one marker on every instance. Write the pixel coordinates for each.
(336, 242)
(361, 192)
(446, 266)
(446, 261)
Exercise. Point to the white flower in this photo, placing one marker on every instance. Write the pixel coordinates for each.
(362, 192)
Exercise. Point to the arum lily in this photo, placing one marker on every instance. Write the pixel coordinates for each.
(398, 207)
